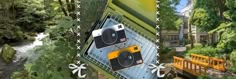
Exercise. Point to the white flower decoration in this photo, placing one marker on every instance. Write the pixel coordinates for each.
(157, 69)
(78, 69)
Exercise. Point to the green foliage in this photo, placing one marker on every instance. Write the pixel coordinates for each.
(207, 51)
(208, 77)
(233, 60)
(219, 17)
(205, 4)
(228, 28)
(179, 22)
(220, 28)
(167, 14)
(30, 15)
(228, 39)
(53, 57)
(64, 23)
(8, 35)
(233, 55)
(231, 4)
(205, 14)
(204, 19)
(21, 17)
(230, 15)
(8, 53)
(197, 45)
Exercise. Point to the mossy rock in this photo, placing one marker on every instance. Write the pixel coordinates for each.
(8, 53)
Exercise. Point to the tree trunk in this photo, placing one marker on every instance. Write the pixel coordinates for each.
(73, 9)
(190, 37)
(221, 5)
(62, 8)
(68, 7)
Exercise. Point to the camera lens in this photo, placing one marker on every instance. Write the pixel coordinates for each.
(125, 59)
(109, 36)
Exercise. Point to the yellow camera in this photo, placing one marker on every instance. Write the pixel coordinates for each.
(126, 57)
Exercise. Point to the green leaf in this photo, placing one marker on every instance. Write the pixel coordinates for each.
(28, 67)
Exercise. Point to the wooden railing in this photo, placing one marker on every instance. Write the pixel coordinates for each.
(178, 62)
(194, 68)
(200, 59)
(198, 64)
(217, 64)
(212, 62)
(189, 66)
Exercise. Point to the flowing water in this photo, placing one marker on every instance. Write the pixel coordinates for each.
(24, 51)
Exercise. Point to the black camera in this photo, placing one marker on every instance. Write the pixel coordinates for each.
(109, 35)
(126, 57)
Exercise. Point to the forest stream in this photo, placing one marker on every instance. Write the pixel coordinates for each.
(24, 51)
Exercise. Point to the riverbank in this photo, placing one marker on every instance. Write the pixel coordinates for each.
(24, 51)
(7, 69)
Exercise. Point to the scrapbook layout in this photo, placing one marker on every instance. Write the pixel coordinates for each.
(117, 39)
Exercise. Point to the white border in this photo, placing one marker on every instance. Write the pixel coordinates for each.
(78, 67)
(78, 26)
(160, 65)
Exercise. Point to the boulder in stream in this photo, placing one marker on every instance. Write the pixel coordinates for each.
(7, 53)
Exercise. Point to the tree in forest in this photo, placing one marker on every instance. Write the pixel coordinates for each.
(218, 19)
(208, 16)
(21, 19)
(227, 28)
(205, 15)
(59, 49)
(70, 9)
(167, 17)
(204, 19)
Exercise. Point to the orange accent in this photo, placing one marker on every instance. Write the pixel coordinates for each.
(198, 64)
(115, 54)
(194, 68)
(217, 64)
(189, 66)
(200, 59)
(212, 62)
(178, 62)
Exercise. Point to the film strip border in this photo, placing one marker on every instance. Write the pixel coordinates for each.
(157, 29)
(78, 67)
(159, 65)
(78, 42)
